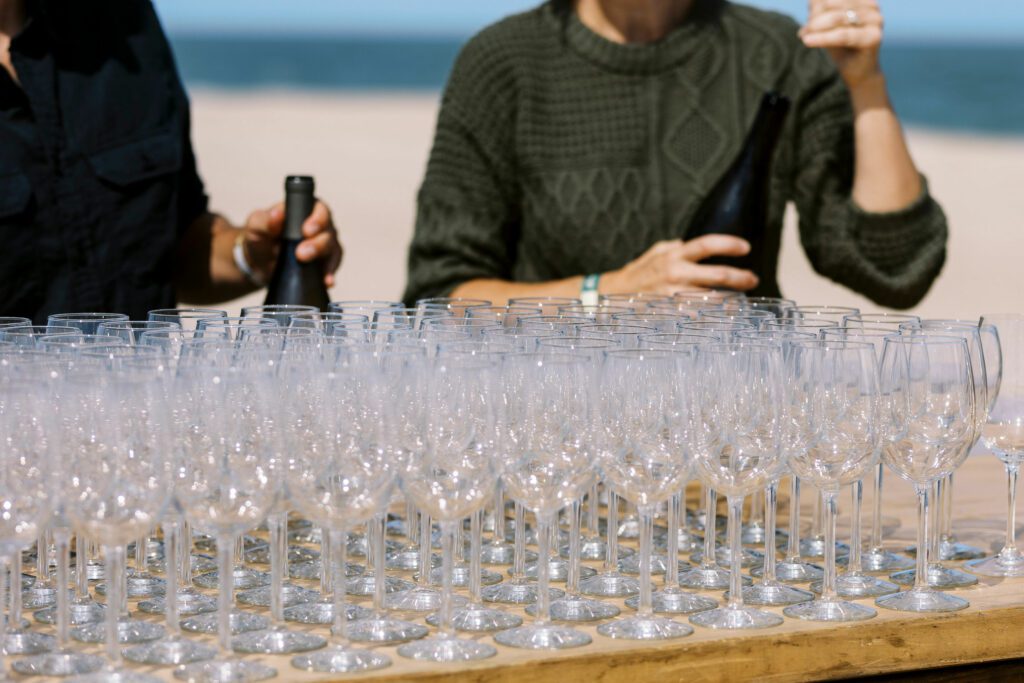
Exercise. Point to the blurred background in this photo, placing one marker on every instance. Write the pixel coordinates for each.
(347, 90)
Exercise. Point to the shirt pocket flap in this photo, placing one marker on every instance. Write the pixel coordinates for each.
(15, 194)
(139, 160)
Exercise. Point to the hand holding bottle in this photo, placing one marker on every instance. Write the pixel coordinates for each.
(674, 265)
(263, 234)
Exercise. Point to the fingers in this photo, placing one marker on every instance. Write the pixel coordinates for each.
(316, 247)
(269, 221)
(725, 277)
(707, 246)
(851, 37)
(837, 18)
(318, 221)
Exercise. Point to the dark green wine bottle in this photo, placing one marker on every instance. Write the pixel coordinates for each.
(294, 282)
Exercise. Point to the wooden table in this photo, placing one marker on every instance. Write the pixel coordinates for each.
(991, 629)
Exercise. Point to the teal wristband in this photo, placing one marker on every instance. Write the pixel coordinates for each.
(588, 292)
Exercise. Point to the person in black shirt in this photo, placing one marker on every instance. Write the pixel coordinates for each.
(101, 206)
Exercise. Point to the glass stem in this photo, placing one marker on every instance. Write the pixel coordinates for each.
(326, 565)
(876, 509)
(675, 506)
(277, 525)
(171, 540)
(81, 569)
(476, 533)
(572, 581)
(337, 545)
(1010, 547)
(612, 532)
(377, 529)
(411, 525)
(829, 508)
(771, 499)
(946, 531)
(816, 518)
(593, 512)
(42, 557)
(449, 534)
(4, 565)
(854, 566)
(793, 549)
(735, 550)
(426, 550)
(519, 554)
(934, 554)
(62, 541)
(186, 555)
(710, 527)
(114, 556)
(921, 574)
(14, 609)
(646, 515)
(756, 510)
(544, 523)
(140, 553)
(498, 535)
(225, 597)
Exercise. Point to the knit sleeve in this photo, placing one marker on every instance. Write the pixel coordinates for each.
(466, 218)
(891, 258)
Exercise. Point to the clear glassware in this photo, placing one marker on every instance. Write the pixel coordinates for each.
(835, 384)
(232, 328)
(637, 301)
(662, 322)
(1003, 433)
(723, 329)
(547, 438)
(186, 318)
(834, 314)
(458, 306)
(600, 314)
(928, 415)
(130, 331)
(738, 449)
(452, 474)
(86, 323)
(649, 407)
(610, 581)
(339, 480)
(564, 325)
(506, 316)
(548, 305)
(366, 308)
(282, 313)
(25, 337)
(628, 336)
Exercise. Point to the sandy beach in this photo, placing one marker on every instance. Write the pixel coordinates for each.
(368, 152)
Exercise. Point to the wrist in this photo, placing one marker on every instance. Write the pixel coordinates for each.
(869, 92)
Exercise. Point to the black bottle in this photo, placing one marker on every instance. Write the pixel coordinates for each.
(294, 282)
(739, 203)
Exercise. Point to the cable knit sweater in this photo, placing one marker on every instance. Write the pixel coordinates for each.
(560, 153)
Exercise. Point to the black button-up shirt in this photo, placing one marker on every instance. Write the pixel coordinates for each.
(97, 176)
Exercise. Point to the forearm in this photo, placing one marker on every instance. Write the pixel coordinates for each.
(206, 270)
(499, 292)
(885, 178)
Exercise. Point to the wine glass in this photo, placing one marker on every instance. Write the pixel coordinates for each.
(637, 301)
(451, 473)
(26, 336)
(661, 322)
(1003, 434)
(119, 473)
(548, 305)
(547, 465)
(929, 403)
(890, 321)
(599, 314)
(834, 314)
(366, 308)
(130, 331)
(282, 313)
(738, 449)
(339, 479)
(233, 328)
(647, 404)
(86, 323)
(186, 318)
(723, 329)
(507, 316)
(837, 384)
(457, 306)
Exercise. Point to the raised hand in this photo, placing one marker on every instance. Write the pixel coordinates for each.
(851, 32)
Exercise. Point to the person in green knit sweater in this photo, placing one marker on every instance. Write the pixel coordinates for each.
(582, 136)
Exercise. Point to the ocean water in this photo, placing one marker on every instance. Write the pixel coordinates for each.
(965, 87)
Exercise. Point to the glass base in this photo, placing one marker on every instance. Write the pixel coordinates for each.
(707, 578)
(224, 671)
(1004, 564)
(38, 595)
(441, 649)
(27, 579)
(659, 565)
(687, 542)
(243, 578)
(277, 641)
(290, 595)
(239, 622)
(460, 576)
(830, 610)
(499, 553)
(310, 571)
(754, 534)
(479, 619)
(558, 571)
(189, 604)
(629, 527)
(200, 564)
(591, 548)
(922, 600)
(815, 547)
(640, 627)
(366, 585)
(882, 560)
(296, 553)
(578, 608)
(408, 560)
(542, 637)
(323, 613)
(742, 617)
(306, 535)
(114, 676)
(384, 630)
(209, 544)
(341, 660)
(139, 587)
(723, 557)
(170, 652)
(419, 599)
(859, 586)
(516, 593)
(610, 585)
(675, 601)
(25, 623)
(954, 550)
(79, 613)
(939, 577)
(21, 642)
(789, 571)
(773, 594)
(129, 632)
(58, 664)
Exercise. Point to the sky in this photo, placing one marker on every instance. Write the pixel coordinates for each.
(905, 19)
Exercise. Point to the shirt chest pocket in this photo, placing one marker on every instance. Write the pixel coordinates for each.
(15, 195)
(135, 163)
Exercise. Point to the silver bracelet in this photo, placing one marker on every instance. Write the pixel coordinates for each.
(238, 251)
